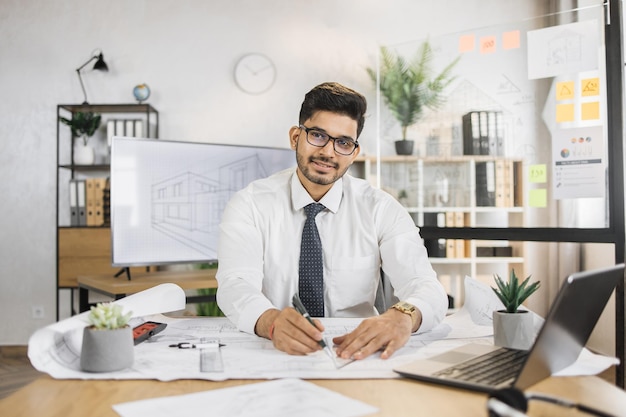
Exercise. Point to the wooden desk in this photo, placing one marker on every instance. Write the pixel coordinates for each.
(118, 287)
(393, 397)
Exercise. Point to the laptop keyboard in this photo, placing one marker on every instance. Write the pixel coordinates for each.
(493, 368)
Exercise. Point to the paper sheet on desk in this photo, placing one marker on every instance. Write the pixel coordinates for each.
(55, 349)
(282, 398)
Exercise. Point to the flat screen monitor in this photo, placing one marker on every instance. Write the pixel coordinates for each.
(167, 197)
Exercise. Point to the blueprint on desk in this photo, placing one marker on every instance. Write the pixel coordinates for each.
(56, 349)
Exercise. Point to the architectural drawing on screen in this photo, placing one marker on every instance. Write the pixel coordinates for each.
(187, 207)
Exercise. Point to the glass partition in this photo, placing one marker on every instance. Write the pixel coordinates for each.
(519, 133)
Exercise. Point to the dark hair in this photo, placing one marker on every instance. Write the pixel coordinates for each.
(335, 98)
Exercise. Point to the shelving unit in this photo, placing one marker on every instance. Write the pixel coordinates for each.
(86, 250)
(457, 191)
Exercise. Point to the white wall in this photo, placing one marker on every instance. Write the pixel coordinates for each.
(185, 51)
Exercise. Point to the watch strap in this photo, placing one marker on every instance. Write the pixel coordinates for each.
(409, 309)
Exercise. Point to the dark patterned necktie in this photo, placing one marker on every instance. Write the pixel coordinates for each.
(311, 288)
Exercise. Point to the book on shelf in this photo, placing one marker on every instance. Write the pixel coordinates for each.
(450, 243)
(87, 201)
(461, 247)
(500, 183)
(74, 221)
(483, 133)
(494, 251)
(124, 127)
(90, 201)
(485, 184)
(471, 133)
(95, 201)
(81, 202)
(436, 248)
(483, 128)
(106, 203)
(496, 133)
(517, 187)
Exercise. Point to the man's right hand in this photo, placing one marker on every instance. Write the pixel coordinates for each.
(289, 331)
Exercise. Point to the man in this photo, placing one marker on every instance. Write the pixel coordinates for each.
(362, 229)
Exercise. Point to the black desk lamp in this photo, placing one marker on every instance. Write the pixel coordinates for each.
(100, 65)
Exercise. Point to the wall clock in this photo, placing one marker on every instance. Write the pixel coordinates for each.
(255, 73)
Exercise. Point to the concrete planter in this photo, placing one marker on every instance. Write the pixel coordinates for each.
(404, 147)
(513, 330)
(107, 350)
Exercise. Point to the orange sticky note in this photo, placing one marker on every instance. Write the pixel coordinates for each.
(510, 40)
(487, 44)
(590, 111)
(466, 43)
(564, 113)
(590, 87)
(565, 90)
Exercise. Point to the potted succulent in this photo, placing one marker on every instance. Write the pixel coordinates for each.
(108, 340)
(408, 87)
(512, 327)
(83, 126)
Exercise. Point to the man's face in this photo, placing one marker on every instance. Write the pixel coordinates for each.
(322, 166)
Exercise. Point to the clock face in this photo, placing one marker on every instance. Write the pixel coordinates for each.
(255, 73)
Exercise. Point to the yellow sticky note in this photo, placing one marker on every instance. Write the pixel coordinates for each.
(564, 113)
(487, 44)
(538, 197)
(466, 43)
(590, 111)
(565, 90)
(537, 173)
(590, 87)
(510, 40)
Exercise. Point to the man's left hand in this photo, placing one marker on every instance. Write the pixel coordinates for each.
(387, 332)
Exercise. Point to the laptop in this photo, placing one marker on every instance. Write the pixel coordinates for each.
(565, 331)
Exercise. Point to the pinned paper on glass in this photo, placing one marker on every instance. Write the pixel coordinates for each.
(579, 167)
(563, 49)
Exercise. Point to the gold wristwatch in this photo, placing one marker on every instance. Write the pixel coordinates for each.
(409, 309)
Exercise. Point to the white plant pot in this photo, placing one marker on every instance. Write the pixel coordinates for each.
(107, 350)
(83, 154)
(513, 330)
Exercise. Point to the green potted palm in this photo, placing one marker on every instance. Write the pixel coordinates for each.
(108, 340)
(408, 87)
(83, 126)
(512, 327)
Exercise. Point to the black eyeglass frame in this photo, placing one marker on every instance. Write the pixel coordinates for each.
(307, 129)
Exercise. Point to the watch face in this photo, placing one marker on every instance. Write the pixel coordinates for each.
(255, 73)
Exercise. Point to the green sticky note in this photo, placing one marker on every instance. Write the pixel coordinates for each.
(538, 197)
(538, 173)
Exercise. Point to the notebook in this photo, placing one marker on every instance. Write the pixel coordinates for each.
(565, 331)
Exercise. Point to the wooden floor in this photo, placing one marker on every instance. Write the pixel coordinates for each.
(15, 369)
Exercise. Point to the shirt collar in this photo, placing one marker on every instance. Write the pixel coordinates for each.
(300, 197)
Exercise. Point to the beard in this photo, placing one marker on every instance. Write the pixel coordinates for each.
(310, 174)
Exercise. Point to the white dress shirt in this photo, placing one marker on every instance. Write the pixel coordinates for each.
(362, 229)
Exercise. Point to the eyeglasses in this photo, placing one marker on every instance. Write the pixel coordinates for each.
(318, 138)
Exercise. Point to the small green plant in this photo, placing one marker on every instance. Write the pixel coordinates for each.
(512, 293)
(409, 86)
(83, 124)
(108, 316)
